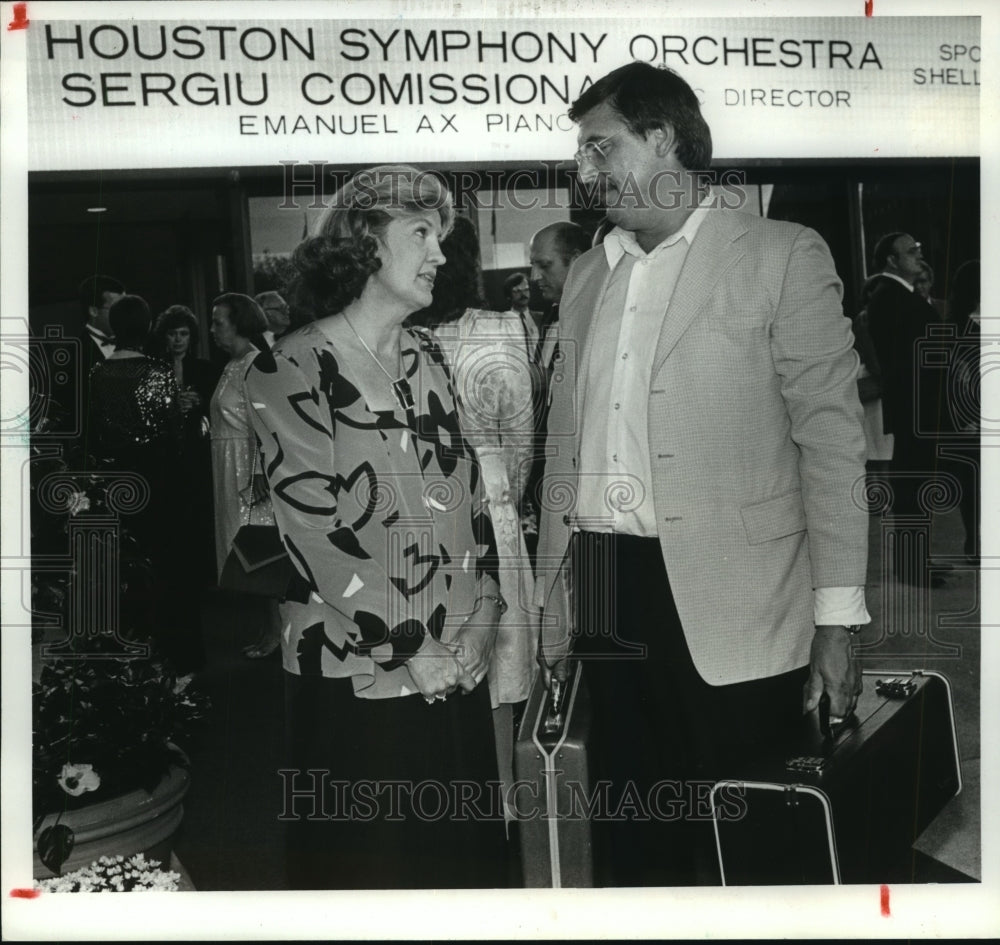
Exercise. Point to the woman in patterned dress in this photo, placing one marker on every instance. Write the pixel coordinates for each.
(379, 501)
(238, 326)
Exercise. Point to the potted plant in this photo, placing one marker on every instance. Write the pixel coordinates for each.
(108, 722)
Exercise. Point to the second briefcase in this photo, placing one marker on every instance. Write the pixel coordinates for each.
(552, 772)
(845, 809)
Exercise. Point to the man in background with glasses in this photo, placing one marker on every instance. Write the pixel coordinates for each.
(711, 568)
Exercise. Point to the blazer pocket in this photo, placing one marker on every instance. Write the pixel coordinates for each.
(774, 518)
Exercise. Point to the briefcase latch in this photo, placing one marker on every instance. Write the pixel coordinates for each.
(791, 795)
(895, 688)
(810, 764)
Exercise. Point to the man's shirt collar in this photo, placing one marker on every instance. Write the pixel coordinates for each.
(99, 335)
(619, 242)
(891, 275)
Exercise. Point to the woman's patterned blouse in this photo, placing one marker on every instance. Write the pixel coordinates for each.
(381, 511)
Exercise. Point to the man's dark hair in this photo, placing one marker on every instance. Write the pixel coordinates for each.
(92, 290)
(647, 98)
(885, 248)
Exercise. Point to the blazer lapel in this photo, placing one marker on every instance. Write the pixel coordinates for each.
(710, 256)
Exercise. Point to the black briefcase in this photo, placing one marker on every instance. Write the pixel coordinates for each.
(845, 808)
(553, 783)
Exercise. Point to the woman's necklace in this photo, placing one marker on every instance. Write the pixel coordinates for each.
(400, 385)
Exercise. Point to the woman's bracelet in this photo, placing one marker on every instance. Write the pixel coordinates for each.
(499, 601)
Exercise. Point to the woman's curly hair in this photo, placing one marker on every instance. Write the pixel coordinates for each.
(333, 266)
(176, 316)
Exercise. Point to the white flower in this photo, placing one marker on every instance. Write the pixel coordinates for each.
(78, 502)
(114, 875)
(78, 779)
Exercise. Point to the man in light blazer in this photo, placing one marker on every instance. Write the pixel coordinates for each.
(703, 545)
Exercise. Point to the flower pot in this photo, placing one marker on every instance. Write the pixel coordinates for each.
(137, 822)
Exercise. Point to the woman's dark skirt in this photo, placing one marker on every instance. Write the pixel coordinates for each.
(390, 793)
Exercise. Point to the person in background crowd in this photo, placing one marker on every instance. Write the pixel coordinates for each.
(97, 294)
(879, 444)
(494, 383)
(552, 250)
(710, 567)
(135, 414)
(964, 397)
(240, 489)
(898, 318)
(276, 311)
(923, 286)
(135, 425)
(517, 293)
(378, 498)
(174, 339)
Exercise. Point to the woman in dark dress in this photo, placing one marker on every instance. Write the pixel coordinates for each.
(379, 500)
(135, 423)
(135, 412)
(175, 340)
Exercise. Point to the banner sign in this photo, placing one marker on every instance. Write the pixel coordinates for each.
(156, 94)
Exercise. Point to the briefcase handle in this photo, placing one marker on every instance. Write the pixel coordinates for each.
(554, 707)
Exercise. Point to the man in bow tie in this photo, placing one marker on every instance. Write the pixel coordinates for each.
(97, 294)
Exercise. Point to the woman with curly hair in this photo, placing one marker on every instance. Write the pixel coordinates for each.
(378, 498)
(174, 339)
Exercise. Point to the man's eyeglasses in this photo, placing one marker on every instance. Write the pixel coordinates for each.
(593, 151)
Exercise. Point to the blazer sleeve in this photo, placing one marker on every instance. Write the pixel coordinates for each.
(814, 357)
(295, 429)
